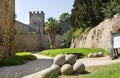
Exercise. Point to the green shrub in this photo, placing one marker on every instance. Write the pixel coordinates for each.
(77, 32)
(20, 58)
(11, 61)
(66, 39)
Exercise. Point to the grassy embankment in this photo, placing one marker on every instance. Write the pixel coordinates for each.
(84, 51)
(18, 59)
(108, 71)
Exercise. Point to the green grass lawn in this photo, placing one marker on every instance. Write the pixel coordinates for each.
(85, 51)
(108, 71)
(19, 58)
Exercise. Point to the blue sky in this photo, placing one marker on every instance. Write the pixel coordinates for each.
(51, 8)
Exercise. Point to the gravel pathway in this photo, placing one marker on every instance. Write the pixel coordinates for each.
(87, 61)
(32, 69)
(98, 61)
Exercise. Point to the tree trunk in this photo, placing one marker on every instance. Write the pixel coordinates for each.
(52, 39)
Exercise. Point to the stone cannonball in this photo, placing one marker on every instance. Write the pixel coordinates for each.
(59, 59)
(66, 69)
(45, 73)
(100, 54)
(71, 58)
(79, 67)
(55, 69)
(95, 54)
(90, 55)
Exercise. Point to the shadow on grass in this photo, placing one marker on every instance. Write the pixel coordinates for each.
(16, 60)
(23, 70)
(86, 72)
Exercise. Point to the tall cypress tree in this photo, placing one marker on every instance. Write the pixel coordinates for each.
(112, 8)
(87, 13)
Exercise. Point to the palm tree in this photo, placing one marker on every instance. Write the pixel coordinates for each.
(51, 27)
(64, 17)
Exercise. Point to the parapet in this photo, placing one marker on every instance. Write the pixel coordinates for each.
(36, 12)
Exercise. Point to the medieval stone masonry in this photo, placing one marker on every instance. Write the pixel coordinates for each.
(32, 37)
(7, 28)
(17, 36)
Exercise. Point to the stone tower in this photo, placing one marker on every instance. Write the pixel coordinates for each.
(37, 21)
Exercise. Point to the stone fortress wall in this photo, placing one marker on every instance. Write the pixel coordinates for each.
(32, 37)
(7, 28)
(99, 36)
(26, 39)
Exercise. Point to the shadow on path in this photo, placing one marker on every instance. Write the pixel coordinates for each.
(26, 69)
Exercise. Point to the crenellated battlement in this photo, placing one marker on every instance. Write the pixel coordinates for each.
(36, 12)
(37, 20)
(33, 33)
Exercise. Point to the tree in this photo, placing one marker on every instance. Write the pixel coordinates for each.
(65, 17)
(66, 38)
(112, 8)
(87, 13)
(51, 27)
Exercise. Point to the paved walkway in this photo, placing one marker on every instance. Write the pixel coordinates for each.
(31, 67)
(98, 61)
(87, 61)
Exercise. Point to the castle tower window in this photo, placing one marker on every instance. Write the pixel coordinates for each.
(35, 24)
